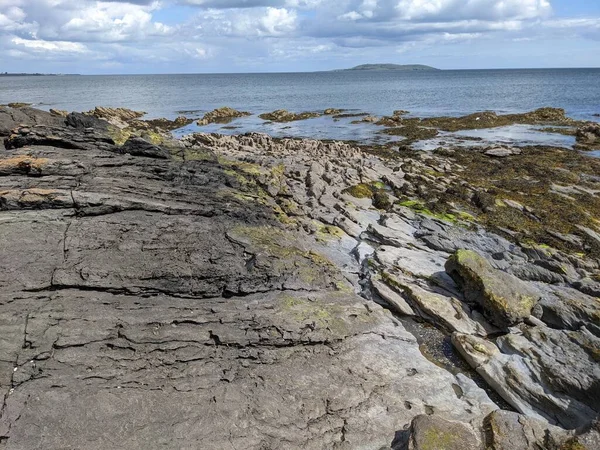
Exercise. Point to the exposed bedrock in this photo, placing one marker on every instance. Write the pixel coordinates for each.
(251, 292)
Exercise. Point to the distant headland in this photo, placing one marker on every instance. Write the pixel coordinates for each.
(403, 67)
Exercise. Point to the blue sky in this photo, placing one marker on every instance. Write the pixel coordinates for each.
(199, 36)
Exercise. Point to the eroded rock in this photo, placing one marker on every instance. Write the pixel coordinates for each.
(505, 299)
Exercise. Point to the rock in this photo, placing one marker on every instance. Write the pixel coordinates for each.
(59, 112)
(221, 115)
(505, 299)
(281, 115)
(332, 111)
(82, 121)
(392, 298)
(502, 152)
(588, 136)
(139, 147)
(445, 312)
(119, 117)
(11, 118)
(507, 430)
(434, 433)
(548, 374)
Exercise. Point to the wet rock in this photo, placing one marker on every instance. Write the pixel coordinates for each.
(332, 111)
(281, 115)
(221, 115)
(505, 299)
(434, 433)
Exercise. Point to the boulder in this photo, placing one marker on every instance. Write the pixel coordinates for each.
(435, 433)
(505, 299)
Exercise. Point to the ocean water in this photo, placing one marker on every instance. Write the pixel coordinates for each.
(422, 93)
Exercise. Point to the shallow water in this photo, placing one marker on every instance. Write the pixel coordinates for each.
(512, 135)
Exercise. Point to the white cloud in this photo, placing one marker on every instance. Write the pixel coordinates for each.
(251, 33)
(39, 45)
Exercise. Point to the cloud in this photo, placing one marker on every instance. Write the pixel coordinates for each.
(261, 34)
(39, 45)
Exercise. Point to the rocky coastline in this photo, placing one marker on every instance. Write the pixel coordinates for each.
(249, 292)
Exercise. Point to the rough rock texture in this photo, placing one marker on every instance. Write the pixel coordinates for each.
(119, 117)
(329, 189)
(545, 373)
(11, 118)
(588, 136)
(281, 115)
(221, 115)
(152, 303)
(505, 299)
(433, 433)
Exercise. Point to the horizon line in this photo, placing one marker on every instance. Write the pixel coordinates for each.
(7, 74)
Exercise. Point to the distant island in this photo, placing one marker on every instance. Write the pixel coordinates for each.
(404, 67)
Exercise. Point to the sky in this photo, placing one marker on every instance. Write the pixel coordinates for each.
(222, 36)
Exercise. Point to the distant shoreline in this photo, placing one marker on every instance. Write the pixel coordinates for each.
(7, 74)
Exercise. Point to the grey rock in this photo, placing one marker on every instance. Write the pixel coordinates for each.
(434, 433)
(505, 299)
(137, 146)
(507, 430)
(11, 118)
(548, 374)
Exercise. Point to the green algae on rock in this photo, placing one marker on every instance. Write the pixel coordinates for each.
(505, 299)
(221, 115)
(282, 115)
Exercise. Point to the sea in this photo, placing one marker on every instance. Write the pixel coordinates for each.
(422, 93)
